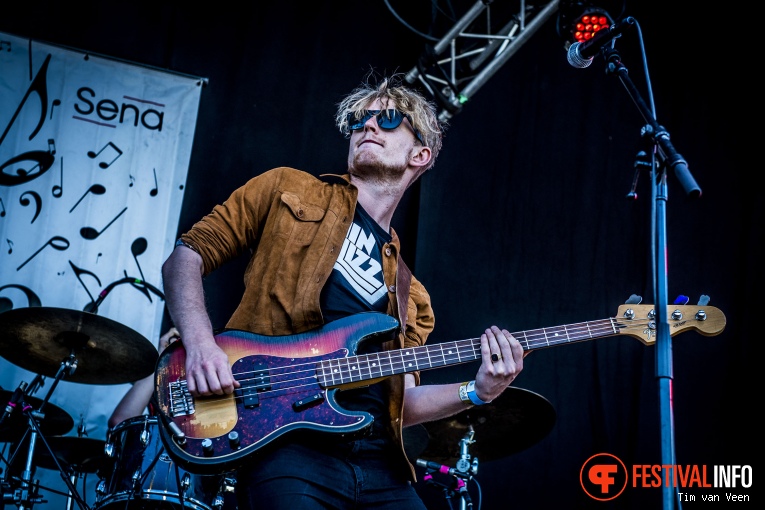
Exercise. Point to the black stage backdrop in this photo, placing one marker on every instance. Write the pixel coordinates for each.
(524, 220)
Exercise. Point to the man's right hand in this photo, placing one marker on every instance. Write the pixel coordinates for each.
(208, 371)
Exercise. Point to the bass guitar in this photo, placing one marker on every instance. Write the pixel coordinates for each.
(288, 383)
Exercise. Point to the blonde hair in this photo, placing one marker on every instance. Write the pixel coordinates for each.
(391, 90)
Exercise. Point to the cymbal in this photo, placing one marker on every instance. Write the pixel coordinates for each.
(56, 421)
(81, 454)
(512, 422)
(39, 339)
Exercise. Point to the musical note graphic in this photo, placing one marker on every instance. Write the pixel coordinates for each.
(104, 164)
(25, 202)
(44, 162)
(96, 189)
(3, 43)
(56, 242)
(56, 102)
(91, 233)
(38, 85)
(2, 206)
(32, 298)
(132, 181)
(155, 190)
(98, 257)
(138, 248)
(78, 272)
(58, 189)
(10, 248)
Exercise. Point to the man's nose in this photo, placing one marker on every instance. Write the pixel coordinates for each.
(371, 123)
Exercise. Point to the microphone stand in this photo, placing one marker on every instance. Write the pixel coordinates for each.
(27, 494)
(461, 473)
(659, 137)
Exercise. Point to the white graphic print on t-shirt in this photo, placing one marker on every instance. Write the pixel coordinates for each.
(359, 269)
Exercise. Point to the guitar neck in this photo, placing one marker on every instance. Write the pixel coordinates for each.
(366, 367)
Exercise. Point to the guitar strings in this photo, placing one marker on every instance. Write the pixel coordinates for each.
(329, 373)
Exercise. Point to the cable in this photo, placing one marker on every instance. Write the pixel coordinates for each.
(93, 305)
(407, 25)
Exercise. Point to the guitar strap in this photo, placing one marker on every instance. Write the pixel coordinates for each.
(403, 281)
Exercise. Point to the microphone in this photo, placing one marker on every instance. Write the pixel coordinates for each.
(92, 307)
(14, 401)
(435, 466)
(580, 54)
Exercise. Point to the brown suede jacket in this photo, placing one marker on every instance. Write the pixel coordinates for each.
(294, 224)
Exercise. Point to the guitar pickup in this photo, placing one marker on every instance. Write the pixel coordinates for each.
(307, 402)
(251, 383)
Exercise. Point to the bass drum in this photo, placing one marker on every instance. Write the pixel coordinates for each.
(143, 477)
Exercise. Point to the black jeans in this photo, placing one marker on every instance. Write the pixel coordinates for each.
(353, 475)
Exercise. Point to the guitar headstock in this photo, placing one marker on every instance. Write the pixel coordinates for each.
(639, 321)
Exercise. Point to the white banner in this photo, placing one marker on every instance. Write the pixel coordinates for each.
(94, 154)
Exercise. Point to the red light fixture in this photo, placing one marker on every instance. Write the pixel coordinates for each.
(580, 20)
(586, 25)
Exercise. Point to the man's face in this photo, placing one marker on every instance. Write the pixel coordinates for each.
(381, 152)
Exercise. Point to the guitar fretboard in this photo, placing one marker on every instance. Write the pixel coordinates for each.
(365, 367)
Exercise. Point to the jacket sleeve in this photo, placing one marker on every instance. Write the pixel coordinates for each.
(235, 225)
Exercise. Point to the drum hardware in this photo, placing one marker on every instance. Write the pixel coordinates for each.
(67, 345)
(512, 422)
(143, 476)
(28, 492)
(12, 428)
(461, 474)
(227, 486)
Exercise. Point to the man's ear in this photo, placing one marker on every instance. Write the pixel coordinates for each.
(421, 158)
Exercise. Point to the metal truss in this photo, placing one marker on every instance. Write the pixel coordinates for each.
(475, 48)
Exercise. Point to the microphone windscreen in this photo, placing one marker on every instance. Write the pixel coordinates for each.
(575, 58)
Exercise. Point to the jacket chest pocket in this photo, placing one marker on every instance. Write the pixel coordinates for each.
(298, 221)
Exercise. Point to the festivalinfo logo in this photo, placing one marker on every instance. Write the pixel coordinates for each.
(604, 477)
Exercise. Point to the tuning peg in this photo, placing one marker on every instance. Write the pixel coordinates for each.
(634, 299)
(703, 300)
(681, 300)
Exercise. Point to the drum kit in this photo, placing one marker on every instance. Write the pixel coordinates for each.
(134, 470)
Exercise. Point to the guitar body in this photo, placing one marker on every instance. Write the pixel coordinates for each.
(280, 392)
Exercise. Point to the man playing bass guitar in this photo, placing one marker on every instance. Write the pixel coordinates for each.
(323, 250)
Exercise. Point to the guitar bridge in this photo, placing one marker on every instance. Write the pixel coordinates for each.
(181, 401)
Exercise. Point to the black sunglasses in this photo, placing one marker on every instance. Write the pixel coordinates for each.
(387, 119)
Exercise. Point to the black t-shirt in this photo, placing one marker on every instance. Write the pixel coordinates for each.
(357, 285)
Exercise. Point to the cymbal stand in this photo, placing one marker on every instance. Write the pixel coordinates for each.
(27, 495)
(462, 473)
(75, 475)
